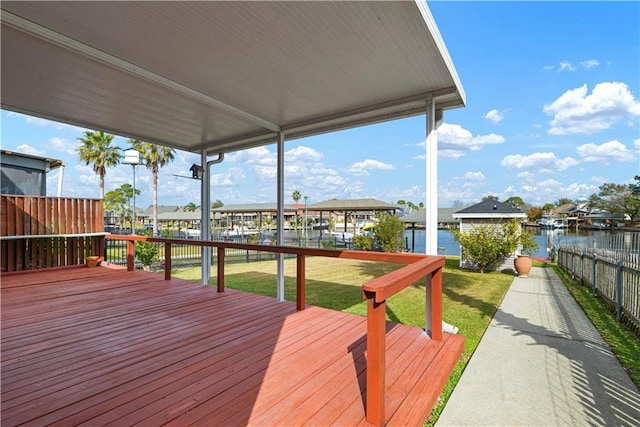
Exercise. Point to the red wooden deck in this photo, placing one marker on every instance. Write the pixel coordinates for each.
(105, 346)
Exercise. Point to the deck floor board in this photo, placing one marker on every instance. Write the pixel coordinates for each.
(104, 346)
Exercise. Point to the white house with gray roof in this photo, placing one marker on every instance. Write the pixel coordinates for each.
(488, 212)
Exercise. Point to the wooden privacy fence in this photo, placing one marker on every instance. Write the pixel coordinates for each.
(376, 291)
(43, 232)
(612, 275)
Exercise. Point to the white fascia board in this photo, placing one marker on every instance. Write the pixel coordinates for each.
(442, 47)
(489, 215)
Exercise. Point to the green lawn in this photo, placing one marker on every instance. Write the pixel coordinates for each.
(624, 344)
(469, 299)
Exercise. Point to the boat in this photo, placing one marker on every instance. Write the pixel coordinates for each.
(552, 224)
(338, 236)
(546, 222)
(560, 223)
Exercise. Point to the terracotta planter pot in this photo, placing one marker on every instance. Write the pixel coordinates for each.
(523, 265)
(92, 261)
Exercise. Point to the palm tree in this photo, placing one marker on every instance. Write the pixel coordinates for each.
(190, 207)
(96, 149)
(155, 157)
(296, 196)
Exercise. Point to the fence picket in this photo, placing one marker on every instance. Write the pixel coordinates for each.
(614, 275)
(31, 226)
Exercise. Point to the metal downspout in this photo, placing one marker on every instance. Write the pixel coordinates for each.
(205, 217)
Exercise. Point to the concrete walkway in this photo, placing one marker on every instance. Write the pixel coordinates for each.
(541, 362)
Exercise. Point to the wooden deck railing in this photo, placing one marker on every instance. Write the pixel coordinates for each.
(44, 232)
(376, 291)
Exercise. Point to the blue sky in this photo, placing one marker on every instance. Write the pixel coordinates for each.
(553, 111)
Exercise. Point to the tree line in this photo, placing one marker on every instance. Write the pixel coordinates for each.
(622, 199)
(97, 150)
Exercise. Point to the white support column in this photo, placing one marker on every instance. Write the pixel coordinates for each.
(431, 185)
(280, 214)
(205, 226)
(60, 178)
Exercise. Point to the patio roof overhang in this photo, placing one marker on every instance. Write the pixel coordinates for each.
(223, 76)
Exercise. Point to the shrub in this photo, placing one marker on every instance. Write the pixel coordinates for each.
(363, 242)
(485, 245)
(329, 244)
(146, 252)
(388, 232)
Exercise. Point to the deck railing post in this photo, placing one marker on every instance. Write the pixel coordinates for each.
(300, 282)
(130, 256)
(220, 278)
(376, 352)
(594, 285)
(436, 304)
(619, 291)
(167, 261)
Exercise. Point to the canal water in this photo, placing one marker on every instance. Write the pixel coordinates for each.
(545, 238)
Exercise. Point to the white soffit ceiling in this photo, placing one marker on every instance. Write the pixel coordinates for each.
(223, 75)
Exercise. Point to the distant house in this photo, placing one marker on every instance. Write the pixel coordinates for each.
(25, 174)
(573, 213)
(488, 212)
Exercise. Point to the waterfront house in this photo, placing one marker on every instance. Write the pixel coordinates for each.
(488, 212)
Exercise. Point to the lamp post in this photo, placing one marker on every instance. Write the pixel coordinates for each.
(132, 157)
(305, 220)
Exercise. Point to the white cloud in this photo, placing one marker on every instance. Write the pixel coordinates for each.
(64, 146)
(37, 121)
(27, 149)
(538, 191)
(474, 176)
(86, 174)
(303, 154)
(565, 65)
(607, 153)
(448, 154)
(230, 178)
(455, 138)
(577, 112)
(491, 138)
(353, 190)
(413, 193)
(265, 157)
(495, 116)
(254, 156)
(466, 188)
(542, 162)
(449, 193)
(299, 162)
(266, 173)
(590, 63)
(636, 143)
(363, 168)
